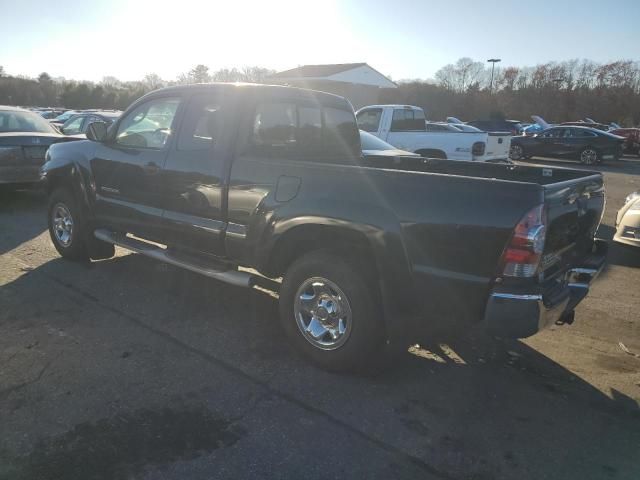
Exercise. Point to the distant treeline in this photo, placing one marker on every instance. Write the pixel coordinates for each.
(110, 93)
(557, 91)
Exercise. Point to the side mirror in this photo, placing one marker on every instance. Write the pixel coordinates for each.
(97, 131)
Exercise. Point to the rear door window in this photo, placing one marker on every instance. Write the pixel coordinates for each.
(275, 125)
(408, 120)
(303, 130)
(340, 131)
(553, 133)
(579, 133)
(309, 133)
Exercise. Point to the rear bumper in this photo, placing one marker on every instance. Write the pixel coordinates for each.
(23, 174)
(522, 314)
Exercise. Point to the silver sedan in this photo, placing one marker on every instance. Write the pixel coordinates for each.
(628, 221)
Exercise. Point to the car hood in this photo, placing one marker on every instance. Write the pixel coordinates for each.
(389, 153)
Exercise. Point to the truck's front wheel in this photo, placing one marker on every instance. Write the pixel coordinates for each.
(329, 312)
(66, 225)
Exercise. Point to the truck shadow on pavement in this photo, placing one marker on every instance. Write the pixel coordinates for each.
(15, 206)
(463, 407)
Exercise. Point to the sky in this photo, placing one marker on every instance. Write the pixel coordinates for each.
(404, 39)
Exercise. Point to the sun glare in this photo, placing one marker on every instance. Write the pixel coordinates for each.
(175, 36)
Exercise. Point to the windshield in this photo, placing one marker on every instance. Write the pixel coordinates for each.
(17, 121)
(65, 116)
(371, 142)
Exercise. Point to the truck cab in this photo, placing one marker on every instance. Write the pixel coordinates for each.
(405, 127)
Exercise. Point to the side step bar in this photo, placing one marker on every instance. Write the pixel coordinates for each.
(234, 277)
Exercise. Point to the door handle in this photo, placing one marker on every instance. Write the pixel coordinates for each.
(151, 168)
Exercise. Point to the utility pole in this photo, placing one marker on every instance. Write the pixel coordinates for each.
(493, 62)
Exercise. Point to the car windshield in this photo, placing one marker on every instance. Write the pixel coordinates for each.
(371, 142)
(18, 121)
(65, 116)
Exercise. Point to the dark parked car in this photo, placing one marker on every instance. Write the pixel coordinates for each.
(78, 123)
(63, 117)
(588, 145)
(273, 178)
(47, 114)
(599, 126)
(24, 139)
(514, 127)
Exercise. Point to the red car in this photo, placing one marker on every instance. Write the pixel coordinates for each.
(632, 139)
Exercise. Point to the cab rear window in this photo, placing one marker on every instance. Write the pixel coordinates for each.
(408, 120)
(289, 129)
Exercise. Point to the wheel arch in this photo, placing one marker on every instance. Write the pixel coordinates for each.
(69, 176)
(432, 153)
(381, 254)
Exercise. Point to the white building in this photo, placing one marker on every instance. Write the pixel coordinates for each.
(358, 82)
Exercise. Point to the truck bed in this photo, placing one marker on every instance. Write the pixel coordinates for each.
(574, 200)
(544, 176)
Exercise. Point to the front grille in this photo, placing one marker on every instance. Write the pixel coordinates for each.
(631, 232)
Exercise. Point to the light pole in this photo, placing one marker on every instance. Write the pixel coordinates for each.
(493, 62)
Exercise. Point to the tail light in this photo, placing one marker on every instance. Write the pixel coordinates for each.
(522, 255)
(478, 148)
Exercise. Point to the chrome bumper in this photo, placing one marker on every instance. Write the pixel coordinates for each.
(522, 315)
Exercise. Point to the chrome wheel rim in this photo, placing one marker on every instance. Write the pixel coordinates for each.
(516, 152)
(589, 156)
(323, 313)
(62, 222)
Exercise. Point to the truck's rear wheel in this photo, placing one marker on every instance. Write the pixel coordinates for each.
(66, 225)
(330, 313)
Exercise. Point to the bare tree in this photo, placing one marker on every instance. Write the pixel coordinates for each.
(446, 77)
(110, 81)
(459, 76)
(508, 78)
(153, 81)
(200, 74)
(468, 72)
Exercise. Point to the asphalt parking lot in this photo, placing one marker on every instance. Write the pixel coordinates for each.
(130, 369)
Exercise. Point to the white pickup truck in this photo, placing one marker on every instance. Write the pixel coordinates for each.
(405, 127)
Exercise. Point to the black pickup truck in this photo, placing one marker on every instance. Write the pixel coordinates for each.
(370, 251)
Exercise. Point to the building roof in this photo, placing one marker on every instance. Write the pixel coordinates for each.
(358, 73)
(315, 71)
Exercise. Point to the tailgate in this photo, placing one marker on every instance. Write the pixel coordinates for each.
(498, 145)
(574, 210)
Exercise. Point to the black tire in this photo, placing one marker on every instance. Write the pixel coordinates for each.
(516, 152)
(589, 156)
(365, 326)
(61, 202)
